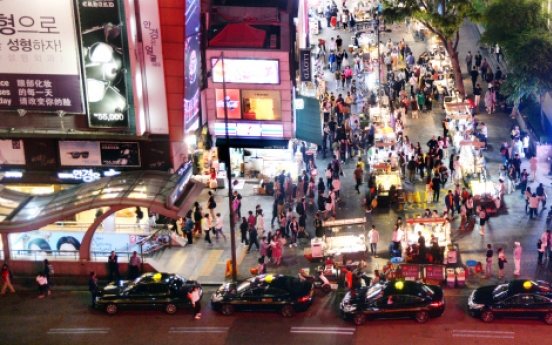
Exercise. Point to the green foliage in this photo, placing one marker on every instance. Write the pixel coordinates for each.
(507, 22)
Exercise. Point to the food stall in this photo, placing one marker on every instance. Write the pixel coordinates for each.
(344, 241)
(468, 152)
(438, 227)
(485, 195)
(389, 188)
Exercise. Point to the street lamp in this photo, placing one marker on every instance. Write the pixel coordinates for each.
(228, 168)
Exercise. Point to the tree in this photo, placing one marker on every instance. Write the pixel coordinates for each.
(520, 28)
(446, 25)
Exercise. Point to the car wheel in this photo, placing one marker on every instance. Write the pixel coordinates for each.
(170, 308)
(421, 316)
(548, 318)
(111, 309)
(487, 316)
(359, 319)
(227, 309)
(287, 311)
(327, 287)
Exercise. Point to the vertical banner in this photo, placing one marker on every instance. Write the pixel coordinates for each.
(39, 56)
(153, 78)
(305, 68)
(103, 46)
(191, 81)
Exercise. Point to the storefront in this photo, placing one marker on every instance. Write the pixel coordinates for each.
(344, 241)
(436, 232)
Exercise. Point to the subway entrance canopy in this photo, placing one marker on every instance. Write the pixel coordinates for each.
(163, 193)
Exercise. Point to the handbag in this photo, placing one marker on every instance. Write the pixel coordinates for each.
(314, 172)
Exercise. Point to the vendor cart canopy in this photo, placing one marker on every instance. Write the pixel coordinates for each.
(239, 35)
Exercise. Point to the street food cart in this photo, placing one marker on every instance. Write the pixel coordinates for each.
(438, 227)
(485, 195)
(344, 241)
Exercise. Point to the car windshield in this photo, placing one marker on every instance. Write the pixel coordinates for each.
(374, 292)
(427, 290)
(243, 286)
(500, 289)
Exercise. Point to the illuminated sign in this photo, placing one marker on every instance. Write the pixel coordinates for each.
(233, 103)
(246, 71)
(246, 129)
(84, 175)
(299, 104)
(13, 174)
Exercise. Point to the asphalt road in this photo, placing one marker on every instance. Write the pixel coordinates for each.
(66, 318)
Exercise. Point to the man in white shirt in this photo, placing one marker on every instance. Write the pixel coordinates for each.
(218, 227)
(374, 238)
(133, 265)
(333, 45)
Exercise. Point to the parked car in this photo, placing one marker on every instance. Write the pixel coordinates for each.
(518, 298)
(165, 291)
(393, 299)
(268, 292)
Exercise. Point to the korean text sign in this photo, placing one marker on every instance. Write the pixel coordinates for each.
(39, 56)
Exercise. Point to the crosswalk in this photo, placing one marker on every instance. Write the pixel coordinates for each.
(96, 331)
(324, 330)
(483, 334)
(198, 329)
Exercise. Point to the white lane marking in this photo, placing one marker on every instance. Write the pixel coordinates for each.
(199, 329)
(483, 334)
(78, 331)
(324, 330)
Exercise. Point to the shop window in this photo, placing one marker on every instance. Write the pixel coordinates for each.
(257, 105)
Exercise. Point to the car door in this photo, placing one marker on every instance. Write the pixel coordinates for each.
(273, 298)
(508, 307)
(384, 307)
(541, 305)
(158, 296)
(408, 305)
(250, 299)
(138, 297)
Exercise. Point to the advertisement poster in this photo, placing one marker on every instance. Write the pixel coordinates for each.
(80, 153)
(193, 8)
(46, 241)
(233, 103)
(262, 105)
(246, 71)
(120, 154)
(41, 154)
(104, 47)
(12, 152)
(191, 80)
(153, 65)
(39, 56)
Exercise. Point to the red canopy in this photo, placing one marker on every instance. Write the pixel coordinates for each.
(239, 35)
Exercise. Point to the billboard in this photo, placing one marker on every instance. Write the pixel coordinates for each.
(12, 152)
(192, 18)
(246, 71)
(191, 80)
(233, 103)
(39, 56)
(96, 154)
(105, 64)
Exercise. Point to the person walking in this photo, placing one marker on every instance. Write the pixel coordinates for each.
(218, 227)
(469, 61)
(207, 225)
(189, 229)
(546, 239)
(373, 235)
(253, 238)
(134, 265)
(541, 247)
(489, 262)
(42, 285)
(113, 266)
(244, 229)
(48, 270)
(533, 205)
(211, 204)
(474, 74)
(517, 258)
(482, 219)
(436, 186)
(449, 203)
(197, 219)
(293, 230)
(259, 224)
(276, 246)
(533, 167)
(358, 177)
(193, 296)
(93, 287)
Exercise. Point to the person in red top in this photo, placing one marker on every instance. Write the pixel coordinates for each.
(251, 220)
(6, 277)
(471, 104)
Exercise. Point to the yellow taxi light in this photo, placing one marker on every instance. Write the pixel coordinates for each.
(399, 285)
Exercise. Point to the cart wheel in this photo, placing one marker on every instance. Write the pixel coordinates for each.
(227, 309)
(421, 316)
(487, 316)
(287, 310)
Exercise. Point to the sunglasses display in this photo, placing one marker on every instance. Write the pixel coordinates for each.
(77, 154)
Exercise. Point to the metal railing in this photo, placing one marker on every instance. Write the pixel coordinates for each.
(80, 226)
(39, 255)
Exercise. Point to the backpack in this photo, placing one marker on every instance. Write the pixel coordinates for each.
(328, 173)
